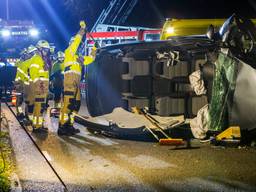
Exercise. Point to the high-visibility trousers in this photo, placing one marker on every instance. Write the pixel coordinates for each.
(40, 90)
(71, 98)
(29, 99)
(19, 87)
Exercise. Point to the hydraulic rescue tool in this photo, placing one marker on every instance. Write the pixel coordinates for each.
(231, 137)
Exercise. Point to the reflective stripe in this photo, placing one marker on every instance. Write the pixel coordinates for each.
(26, 83)
(21, 71)
(34, 65)
(38, 121)
(42, 71)
(72, 71)
(30, 117)
(41, 120)
(19, 109)
(72, 118)
(71, 63)
(41, 78)
(57, 104)
(65, 116)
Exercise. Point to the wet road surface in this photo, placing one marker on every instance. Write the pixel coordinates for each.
(89, 162)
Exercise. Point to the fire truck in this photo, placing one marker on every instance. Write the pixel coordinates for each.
(113, 34)
(17, 34)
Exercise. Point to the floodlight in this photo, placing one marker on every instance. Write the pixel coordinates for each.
(6, 33)
(33, 32)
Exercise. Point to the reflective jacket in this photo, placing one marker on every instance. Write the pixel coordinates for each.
(57, 69)
(36, 68)
(22, 71)
(18, 73)
(70, 63)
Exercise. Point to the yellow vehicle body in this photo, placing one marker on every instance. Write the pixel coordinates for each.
(186, 27)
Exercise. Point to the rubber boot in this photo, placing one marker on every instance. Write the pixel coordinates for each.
(67, 130)
(63, 130)
(20, 116)
(40, 130)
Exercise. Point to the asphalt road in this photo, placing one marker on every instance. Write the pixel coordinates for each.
(89, 162)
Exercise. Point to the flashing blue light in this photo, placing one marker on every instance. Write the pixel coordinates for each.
(33, 32)
(6, 33)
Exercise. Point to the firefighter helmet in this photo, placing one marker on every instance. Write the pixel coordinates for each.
(60, 55)
(43, 44)
(31, 49)
(24, 51)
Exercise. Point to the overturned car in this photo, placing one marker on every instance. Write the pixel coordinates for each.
(209, 80)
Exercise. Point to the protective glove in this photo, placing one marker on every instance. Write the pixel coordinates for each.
(82, 30)
(83, 25)
(94, 51)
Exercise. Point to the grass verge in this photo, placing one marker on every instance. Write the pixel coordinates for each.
(6, 166)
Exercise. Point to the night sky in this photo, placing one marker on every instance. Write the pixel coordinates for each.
(62, 18)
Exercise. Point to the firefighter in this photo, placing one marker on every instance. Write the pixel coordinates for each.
(39, 74)
(56, 79)
(23, 82)
(52, 54)
(21, 78)
(28, 86)
(72, 76)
